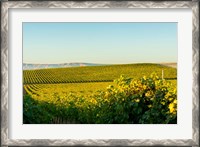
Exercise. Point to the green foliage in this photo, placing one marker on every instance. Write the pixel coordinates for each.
(35, 112)
(148, 100)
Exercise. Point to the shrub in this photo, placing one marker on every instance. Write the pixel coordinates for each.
(148, 100)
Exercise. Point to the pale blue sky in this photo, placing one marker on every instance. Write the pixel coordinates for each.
(106, 43)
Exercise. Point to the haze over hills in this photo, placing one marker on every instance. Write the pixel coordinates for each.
(170, 64)
(29, 66)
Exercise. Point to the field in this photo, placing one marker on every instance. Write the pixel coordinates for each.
(95, 73)
(79, 94)
(65, 88)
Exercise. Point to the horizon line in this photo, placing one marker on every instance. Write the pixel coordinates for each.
(101, 63)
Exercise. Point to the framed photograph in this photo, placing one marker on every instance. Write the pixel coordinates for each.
(99, 73)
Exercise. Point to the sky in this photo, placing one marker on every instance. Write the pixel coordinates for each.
(99, 42)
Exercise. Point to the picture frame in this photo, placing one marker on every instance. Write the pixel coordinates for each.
(6, 6)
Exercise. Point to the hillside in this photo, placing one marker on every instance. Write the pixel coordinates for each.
(95, 73)
(29, 66)
(174, 65)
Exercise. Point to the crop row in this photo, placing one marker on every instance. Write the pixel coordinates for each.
(148, 100)
(94, 74)
(65, 89)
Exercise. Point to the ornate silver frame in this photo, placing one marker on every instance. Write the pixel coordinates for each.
(5, 141)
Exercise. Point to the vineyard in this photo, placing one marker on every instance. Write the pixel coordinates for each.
(95, 73)
(100, 95)
(80, 88)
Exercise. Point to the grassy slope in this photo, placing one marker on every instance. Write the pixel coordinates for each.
(95, 73)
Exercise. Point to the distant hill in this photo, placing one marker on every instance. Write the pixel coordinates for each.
(174, 65)
(28, 66)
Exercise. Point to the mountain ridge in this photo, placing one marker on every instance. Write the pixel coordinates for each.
(32, 66)
(29, 66)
